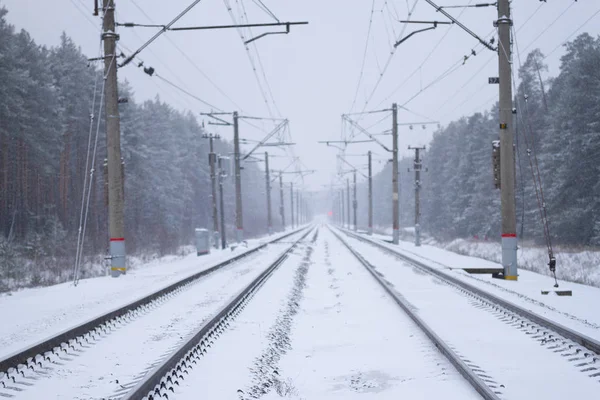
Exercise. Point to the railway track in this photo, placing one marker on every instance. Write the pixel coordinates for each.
(578, 354)
(20, 370)
(476, 382)
(169, 373)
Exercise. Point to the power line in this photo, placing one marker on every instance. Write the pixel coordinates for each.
(362, 67)
(262, 68)
(424, 61)
(194, 64)
(262, 6)
(473, 76)
(572, 34)
(389, 60)
(163, 30)
(252, 63)
(549, 26)
(188, 93)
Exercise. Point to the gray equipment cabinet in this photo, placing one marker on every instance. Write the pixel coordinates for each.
(202, 241)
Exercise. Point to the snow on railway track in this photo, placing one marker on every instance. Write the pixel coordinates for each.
(93, 359)
(517, 353)
(319, 328)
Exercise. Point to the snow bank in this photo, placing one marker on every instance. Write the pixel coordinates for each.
(579, 265)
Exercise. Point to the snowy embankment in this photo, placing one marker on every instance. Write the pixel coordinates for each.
(33, 317)
(581, 265)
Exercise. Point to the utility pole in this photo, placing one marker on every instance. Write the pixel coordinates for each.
(395, 195)
(298, 210)
(239, 217)
(212, 157)
(370, 232)
(507, 155)
(292, 204)
(417, 167)
(268, 188)
(116, 215)
(343, 214)
(355, 203)
(348, 201)
(281, 207)
(222, 203)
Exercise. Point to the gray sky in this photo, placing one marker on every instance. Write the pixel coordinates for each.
(313, 72)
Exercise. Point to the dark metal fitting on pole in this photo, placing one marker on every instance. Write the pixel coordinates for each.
(552, 264)
(108, 35)
(503, 20)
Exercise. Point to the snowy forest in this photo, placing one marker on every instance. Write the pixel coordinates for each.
(46, 99)
(559, 122)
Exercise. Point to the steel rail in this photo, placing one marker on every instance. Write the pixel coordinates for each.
(162, 378)
(475, 381)
(28, 357)
(568, 333)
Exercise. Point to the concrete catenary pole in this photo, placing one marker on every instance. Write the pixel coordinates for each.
(268, 189)
(281, 203)
(298, 215)
(116, 196)
(370, 232)
(292, 204)
(343, 208)
(222, 204)
(348, 201)
(395, 195)
(212, 157)
(239, 216)
(354, 201)
(507, 155)
(417, 168)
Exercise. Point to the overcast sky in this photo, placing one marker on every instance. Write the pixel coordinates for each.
(312, 73)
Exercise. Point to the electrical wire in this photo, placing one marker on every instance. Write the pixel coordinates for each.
(112, 64)
(549, 26)
(252, 63)
(573, 33)
(189, 60)
(260, 63)
(79, 246)
(473, 76)
(389, 59)
(160, 32)
(535, 170)
(362, 67)
(423, 62)
(262, 6)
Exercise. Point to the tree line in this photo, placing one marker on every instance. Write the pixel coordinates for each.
(46, 99)
(557, 119)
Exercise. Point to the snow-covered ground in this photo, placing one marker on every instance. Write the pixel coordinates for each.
(513, 358)
(101, 368)
(321, 328)
(577, 312)
(579, 265)
(31, 315)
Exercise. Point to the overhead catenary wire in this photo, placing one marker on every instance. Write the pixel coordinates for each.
(439, 42)
(247, 49)
(594, 15)
(535, 172)
(389, 59)
(80, 243)
(260, 63)
(189, 60)
(364, 59)
(266, 9)
(473, 76)
(160, 32)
